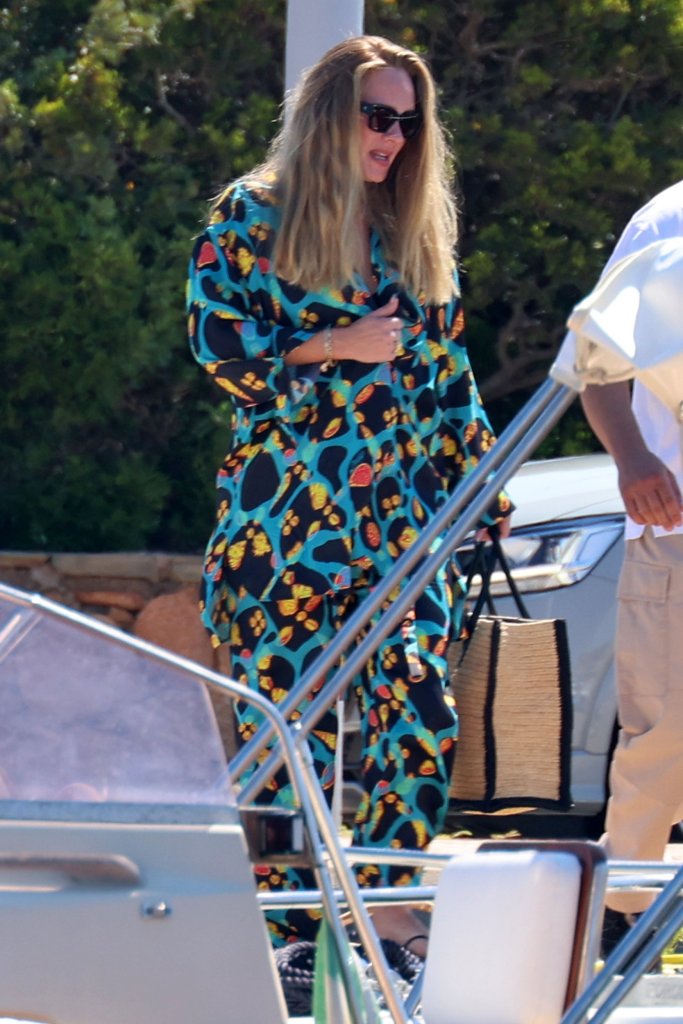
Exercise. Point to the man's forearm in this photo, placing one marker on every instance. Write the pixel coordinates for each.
(608, 411)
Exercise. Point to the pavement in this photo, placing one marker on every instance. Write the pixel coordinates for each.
(458, 844)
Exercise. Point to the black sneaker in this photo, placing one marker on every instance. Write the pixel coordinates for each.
(615, 926)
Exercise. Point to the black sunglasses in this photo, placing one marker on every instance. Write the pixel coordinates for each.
(381, 118)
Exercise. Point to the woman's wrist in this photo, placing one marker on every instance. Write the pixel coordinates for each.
(328, 349)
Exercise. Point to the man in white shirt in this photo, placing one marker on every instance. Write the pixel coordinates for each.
(645, 439)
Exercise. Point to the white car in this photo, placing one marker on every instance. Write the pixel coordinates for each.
(565, 550)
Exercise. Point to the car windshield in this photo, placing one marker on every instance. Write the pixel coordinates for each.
(88, 717)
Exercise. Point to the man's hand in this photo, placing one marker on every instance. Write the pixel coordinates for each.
(650, 492)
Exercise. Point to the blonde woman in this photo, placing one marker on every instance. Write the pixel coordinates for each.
(324, 299)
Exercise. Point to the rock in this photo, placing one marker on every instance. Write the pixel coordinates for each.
(172, 621)
(122, 565)
(44, 577)
(185, 568)
(223, 705)
(102, 617)
(22, 559)
(121, 618)
(129, 600)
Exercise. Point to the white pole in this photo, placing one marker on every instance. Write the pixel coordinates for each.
(313, 26)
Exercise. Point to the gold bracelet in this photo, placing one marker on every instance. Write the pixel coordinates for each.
(329, 360)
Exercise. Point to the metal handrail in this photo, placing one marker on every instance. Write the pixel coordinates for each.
(323, 841)
(599, 999)
(660, 921)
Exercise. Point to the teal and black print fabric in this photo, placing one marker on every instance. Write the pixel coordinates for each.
(328, 467)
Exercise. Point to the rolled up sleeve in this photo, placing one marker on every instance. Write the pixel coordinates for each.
(230, 330)
(468, 433)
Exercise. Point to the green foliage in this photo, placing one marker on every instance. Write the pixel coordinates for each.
(118, 122)
(564, 119)
(120, 118)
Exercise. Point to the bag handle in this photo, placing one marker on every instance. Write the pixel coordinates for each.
(483, 563)
(501, 557)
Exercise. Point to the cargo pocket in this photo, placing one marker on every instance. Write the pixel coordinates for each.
(643, 627)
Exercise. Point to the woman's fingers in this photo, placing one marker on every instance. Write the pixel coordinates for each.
(387, 309)
(376, 337)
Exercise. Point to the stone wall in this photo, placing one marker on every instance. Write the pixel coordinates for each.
(153, 596)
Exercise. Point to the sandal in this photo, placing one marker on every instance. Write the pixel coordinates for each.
(413, 938)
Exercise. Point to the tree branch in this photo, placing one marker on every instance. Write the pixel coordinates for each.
(165, 104)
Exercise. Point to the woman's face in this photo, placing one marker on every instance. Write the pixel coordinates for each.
(390, 87)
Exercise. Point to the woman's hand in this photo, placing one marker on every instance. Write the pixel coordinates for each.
(374, 338)
(504, 528)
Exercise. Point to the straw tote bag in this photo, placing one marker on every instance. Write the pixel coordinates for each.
(511, 682)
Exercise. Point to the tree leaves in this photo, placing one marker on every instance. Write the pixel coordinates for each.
(119, 119)
(563, 122)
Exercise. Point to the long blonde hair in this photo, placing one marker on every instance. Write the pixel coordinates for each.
(315, 160)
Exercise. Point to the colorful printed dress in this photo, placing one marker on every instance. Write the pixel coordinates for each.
(331, 474)
(353, 459)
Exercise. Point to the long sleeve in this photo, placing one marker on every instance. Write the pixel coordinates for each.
(232, 318)
(466, 434)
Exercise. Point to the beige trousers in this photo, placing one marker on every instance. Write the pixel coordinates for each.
(646, 775)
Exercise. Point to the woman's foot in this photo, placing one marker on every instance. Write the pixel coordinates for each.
(402, 925)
